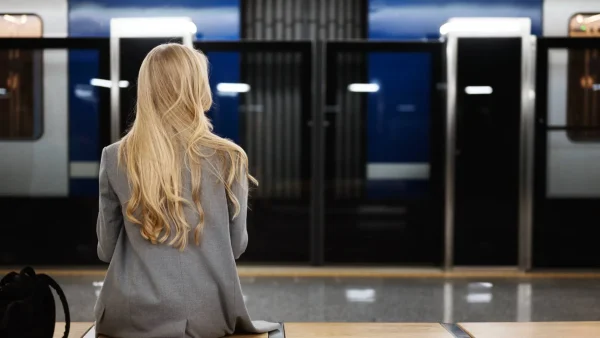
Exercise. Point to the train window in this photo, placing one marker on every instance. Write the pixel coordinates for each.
(583, 94)
(21, 80)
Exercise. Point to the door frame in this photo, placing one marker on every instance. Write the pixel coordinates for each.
(457, 28)
(159, 27)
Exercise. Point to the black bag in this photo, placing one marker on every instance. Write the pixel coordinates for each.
(27, 308)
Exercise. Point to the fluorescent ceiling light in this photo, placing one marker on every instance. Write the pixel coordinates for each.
(106, 83)
(224, 87)
(363, 87)
(479, 90)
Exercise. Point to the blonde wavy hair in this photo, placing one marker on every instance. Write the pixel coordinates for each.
(171, 133)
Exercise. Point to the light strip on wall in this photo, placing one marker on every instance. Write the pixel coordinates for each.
(106, 83)
(233, 87)
(363, 87)
(479, 90)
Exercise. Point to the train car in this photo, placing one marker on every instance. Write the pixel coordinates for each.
(378, 173)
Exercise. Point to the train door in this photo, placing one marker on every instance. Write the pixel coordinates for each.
(489, 82)
(131, 39)
(567, 184)
(31, 124)
(383, 167)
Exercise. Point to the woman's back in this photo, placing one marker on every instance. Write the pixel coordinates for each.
(172, 221)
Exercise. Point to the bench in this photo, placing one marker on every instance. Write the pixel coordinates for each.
(412, 330)
(78, 330)
(533, 330)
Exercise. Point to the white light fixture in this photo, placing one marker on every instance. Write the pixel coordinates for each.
(3, 91)
(224, 87)
(479, 90)
(360, 295)
(596, 86)
(106, 83)
(481, 25)
(363, 87)
(152, 27)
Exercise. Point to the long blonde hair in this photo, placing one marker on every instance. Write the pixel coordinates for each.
(171, 133)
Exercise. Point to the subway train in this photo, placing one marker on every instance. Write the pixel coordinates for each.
(376, 194)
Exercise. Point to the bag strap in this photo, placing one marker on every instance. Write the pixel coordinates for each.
(28, 271)
(10, 276)
(63, 299)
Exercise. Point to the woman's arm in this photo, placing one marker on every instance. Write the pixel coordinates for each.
(238, 231)
(110, 218)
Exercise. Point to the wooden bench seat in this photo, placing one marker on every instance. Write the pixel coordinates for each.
(359, 330)
(79, 329)
(533, 330)
(412, 330)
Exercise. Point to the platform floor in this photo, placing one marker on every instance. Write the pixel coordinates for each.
(411, 330)
(391, 300)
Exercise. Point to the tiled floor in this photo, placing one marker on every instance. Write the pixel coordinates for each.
(394, 299)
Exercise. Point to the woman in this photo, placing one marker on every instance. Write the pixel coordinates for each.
(172, 219)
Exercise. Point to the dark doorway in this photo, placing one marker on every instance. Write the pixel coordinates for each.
(487, 151)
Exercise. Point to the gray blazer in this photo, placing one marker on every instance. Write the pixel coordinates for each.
(156, 290)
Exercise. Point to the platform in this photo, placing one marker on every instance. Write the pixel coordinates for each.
(412, 330)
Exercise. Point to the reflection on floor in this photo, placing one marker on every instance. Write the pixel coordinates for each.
(393, 299)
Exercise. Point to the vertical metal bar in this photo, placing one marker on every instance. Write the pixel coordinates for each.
(251, 102)
(298, 17)
(278, 22)
(318, 154)
(541, 135)
(526, 151)
(258, 19)
(104, 102)
(330, 16)
(115, 103)
(451, 77)
(321, 19)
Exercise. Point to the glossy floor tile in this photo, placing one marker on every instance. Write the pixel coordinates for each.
(394, 299)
